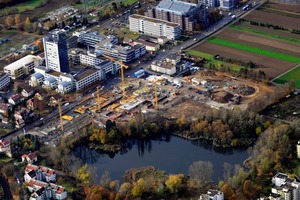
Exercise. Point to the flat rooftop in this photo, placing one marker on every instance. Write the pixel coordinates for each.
(21, 62)
(85, 74)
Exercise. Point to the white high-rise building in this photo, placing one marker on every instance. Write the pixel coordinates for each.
(56, 52)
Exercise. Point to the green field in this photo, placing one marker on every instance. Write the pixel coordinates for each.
(265, 34)
(29, 5)
(250, 49)
(210, 59)
(129, 2)
(293, 75)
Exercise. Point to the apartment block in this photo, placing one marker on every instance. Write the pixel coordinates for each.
(154, 27)
(23, 66)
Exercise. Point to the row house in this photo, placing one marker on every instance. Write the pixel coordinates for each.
(5, 147)
(40, 183)
(29, 158)
(16, 99)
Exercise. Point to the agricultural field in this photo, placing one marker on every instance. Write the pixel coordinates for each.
(272, 50)
(15, 40)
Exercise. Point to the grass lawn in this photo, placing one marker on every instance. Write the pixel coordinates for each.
(124, 32)
(293, 75)
(265, 34)
(5, 159)
(28, 5)
(210, 59)
(250, 49)
(129, 2)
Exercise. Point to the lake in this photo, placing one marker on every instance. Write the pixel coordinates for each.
(171, 154)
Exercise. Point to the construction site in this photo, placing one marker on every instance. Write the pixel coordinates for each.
(170, 97)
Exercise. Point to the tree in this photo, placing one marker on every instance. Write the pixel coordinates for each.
(18, 19)
(9, 21)
(28, 25)
(125, 188)
(201, 171)
(174, 183)
(84, 175)
(105, 180)
(227, 171)
(8, 170)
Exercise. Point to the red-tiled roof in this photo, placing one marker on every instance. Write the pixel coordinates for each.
(4, 143)
(30, 167)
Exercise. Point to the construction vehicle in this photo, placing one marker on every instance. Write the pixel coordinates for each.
(67, 117)
(122, 70)
(59, 103)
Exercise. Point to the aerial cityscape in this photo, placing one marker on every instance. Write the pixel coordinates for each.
(144, 99)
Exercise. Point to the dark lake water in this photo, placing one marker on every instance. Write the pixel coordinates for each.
(173, 155)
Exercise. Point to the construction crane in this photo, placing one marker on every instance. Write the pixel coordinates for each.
(99, 100)
(155, 95)
(122, 70)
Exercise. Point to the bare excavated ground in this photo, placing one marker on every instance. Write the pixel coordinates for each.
(272, 18)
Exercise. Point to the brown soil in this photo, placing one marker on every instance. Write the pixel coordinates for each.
(258, 41)
(265, 64)
(189, 108)
(291, 8)
(272, 18)
(39, 12)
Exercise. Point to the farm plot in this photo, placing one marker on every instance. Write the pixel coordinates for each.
(265, 64)
(272, 18)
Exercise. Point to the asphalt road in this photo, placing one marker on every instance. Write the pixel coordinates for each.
(5, 186)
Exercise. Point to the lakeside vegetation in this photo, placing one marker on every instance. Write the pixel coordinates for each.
(255, 50)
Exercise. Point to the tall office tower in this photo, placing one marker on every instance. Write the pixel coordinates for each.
(56, 52)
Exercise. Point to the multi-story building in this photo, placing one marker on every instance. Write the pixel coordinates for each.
(123, 53)
(95, 60)
(287, 188)
(227, 4)
(22, 66)
(91, 39)
(209, 3)
(154, 27)
(56, 52)
(183, 13)
(86, 78)
(212, 195)
(40, 184)
(4, 80)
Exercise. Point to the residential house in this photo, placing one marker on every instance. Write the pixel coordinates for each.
(16, 99)
(54, 100)
(39, 180)
(5, 109)
(28, 92)
(212, 195)
(29, 158)
(5, 147)
(23, 115)
(287, 188)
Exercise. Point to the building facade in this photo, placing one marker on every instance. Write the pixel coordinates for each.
(287, 188)
(186, 14)
(123, 53)
(227, 4)
(4, 80)
(154, 27)
(23, 66)
(56, 52)
(91, 39)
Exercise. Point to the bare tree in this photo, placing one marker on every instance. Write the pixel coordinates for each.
(202, 172)
(227, 171)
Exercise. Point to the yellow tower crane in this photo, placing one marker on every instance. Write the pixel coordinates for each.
(122, 70)
(155, 95)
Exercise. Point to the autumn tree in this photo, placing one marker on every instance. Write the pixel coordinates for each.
(174, 182)
(201, 172)
(28, 25)
(9, 21)
(84, 175)
(105, 180)
(125, 188)
(18, 19)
